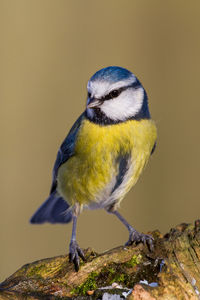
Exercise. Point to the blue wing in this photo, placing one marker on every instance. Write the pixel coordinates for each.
(66, 150)
(153, 149)
(55, 209)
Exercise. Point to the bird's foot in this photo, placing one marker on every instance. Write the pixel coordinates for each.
(136, 237)
(74, 252)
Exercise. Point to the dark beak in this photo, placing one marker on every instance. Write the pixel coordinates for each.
(93, 103)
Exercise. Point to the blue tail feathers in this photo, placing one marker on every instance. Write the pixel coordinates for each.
(54, 210)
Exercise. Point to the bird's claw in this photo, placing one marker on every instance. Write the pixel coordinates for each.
(135, 238)
(74, 252)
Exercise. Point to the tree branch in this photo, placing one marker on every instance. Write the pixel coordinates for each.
(171, 271)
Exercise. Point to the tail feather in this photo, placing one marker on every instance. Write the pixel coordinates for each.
(54, 210)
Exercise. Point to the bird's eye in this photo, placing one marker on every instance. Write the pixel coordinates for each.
(89, 94)
(114, 93)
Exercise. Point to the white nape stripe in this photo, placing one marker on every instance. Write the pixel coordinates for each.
(99, 89)
(126, 105)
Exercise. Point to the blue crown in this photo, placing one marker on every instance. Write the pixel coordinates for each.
(111, 74)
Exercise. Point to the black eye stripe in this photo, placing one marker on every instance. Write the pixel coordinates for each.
(113, 94)
(116, 93)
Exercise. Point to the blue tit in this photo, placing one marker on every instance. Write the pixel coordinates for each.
(103, 155)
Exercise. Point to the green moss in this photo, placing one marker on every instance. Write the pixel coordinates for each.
(135, 260)
(112, 273)
(88, 285)
(36, 270)
(46, 269)
(111, 270)
(106, 277)
(124, 274)
(119, 278)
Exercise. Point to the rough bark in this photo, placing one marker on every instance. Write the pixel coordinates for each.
(171, 271)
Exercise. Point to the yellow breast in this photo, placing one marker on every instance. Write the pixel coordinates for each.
(86, 176)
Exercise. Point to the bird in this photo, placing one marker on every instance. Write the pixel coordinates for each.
(102, 156)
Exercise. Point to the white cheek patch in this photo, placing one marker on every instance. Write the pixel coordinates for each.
(126, 105)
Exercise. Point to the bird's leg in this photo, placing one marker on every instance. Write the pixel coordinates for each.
(134, 236)
(74, 250)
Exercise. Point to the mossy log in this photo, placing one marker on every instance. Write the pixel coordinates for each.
(171, 271)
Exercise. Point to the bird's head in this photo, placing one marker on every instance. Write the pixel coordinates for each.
(115, 95)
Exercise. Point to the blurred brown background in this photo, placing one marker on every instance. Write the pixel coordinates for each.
(48, 51)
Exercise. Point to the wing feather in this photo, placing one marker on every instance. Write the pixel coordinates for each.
(66, 150)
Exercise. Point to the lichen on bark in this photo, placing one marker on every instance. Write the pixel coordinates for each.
(171, 271)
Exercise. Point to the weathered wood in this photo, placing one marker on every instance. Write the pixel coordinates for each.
(171, 271)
